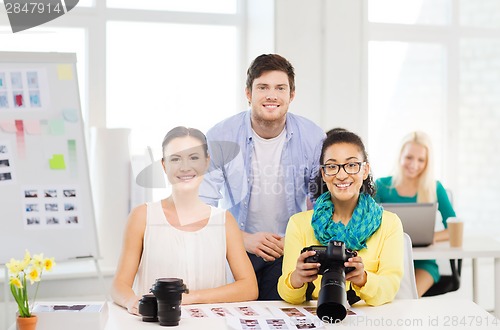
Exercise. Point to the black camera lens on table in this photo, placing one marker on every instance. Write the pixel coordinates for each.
(332, 299)
(164, 303)
(148, 308)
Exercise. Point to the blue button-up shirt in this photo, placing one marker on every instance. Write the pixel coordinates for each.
(229, 178)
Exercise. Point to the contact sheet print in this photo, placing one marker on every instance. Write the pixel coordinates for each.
(255, 317)
(50, 206)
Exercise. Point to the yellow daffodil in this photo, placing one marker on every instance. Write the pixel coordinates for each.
(15, 281)
(26, 261)
(38, 261)
(34, 275)
(29, 268)
(14, 266)
(48, 263)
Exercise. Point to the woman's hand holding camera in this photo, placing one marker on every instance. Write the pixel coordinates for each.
(357, 276)
(304, 272)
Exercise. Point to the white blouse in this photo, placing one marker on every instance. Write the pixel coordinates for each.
(198, 258)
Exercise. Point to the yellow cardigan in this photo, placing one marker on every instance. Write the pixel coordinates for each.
(382, 259)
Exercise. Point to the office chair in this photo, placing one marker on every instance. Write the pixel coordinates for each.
(447, 283)
(408, 287)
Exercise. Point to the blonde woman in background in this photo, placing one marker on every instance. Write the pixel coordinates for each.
(414, 182)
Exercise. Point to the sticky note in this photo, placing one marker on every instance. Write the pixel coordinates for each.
(70, 115)
(56, 127)
(33, 127)
(65, 72)
(8, 126)
(57, 162)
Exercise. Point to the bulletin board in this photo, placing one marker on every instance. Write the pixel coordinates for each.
(45, 193)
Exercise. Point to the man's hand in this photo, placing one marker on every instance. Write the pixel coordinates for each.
(268, 246)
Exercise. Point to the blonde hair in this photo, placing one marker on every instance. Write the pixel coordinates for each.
(426, 190)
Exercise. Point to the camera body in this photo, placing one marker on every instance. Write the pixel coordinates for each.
(332, 299)
(331, 256)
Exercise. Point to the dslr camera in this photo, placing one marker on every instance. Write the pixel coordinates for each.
(332, 299)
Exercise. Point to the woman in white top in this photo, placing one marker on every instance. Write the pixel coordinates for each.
(182, 237)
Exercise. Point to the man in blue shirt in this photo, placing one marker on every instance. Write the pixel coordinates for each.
(263, 164)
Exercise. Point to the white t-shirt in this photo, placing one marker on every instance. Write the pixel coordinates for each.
(267, 200)
(198, 257)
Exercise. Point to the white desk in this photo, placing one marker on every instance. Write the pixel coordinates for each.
(400, 314)
(474, 247)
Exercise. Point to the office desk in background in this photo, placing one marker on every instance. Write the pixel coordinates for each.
(474, 247)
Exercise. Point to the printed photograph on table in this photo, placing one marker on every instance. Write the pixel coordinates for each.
(196, 312)
(220, 311)
(311, 310)
(304, 323)
(247, 311)
(250, 324)
(292, 311)
(276, 324)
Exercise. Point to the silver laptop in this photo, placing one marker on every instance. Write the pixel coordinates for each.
(418, 219)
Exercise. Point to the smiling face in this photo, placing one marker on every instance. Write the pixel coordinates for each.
(185, 162)
(342, 186)
(270, 96)
(413, 160)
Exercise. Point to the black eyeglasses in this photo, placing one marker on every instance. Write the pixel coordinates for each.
(349, 168)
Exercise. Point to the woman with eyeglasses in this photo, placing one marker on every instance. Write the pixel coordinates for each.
(344, 211)
(414, 182)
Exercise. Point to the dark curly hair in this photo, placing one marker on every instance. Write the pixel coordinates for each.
(342, 136)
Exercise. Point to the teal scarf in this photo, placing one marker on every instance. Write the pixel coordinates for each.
(365, 220)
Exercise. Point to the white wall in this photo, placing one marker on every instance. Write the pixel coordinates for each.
(323, 40)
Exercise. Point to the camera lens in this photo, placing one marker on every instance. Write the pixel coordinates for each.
(148, 308)
(168, 293)
(332, 301)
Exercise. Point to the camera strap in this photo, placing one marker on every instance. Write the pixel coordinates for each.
(352, 297)
(309, 290)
